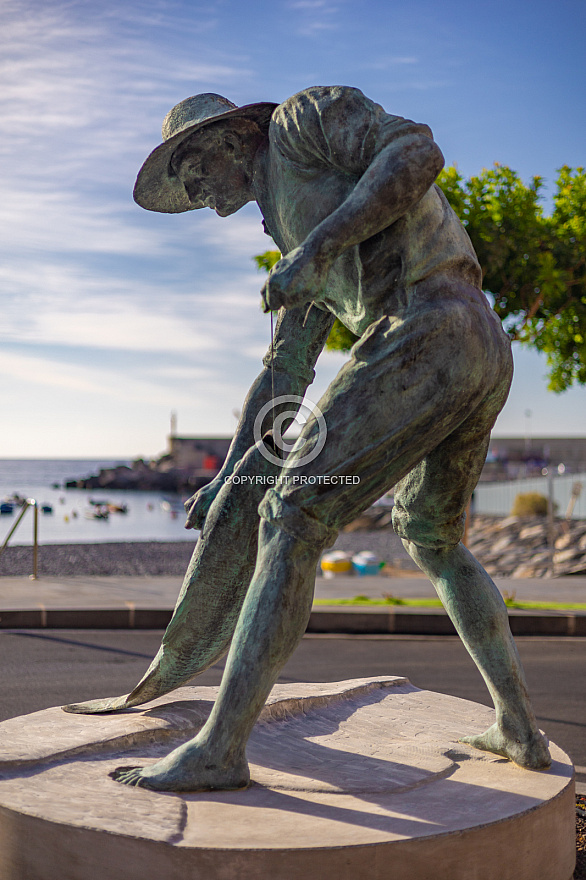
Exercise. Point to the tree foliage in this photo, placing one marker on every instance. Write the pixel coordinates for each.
(533, 264)
(267, 260)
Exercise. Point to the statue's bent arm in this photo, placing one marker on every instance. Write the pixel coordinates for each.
(397, 178)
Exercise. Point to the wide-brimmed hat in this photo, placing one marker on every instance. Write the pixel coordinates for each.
(157, 187)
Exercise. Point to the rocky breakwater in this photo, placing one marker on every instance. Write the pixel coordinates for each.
(519, 546)
(159, 475)
(513, 546)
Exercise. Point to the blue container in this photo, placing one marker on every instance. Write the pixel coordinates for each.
(366, 563)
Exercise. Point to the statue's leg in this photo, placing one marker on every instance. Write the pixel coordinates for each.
(478, 612)
(212, 594)
(429, 515)
(273, 620)
(409, 385)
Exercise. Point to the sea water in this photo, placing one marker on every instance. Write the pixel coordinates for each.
(151, 516)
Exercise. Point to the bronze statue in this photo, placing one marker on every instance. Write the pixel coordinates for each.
(347, 193)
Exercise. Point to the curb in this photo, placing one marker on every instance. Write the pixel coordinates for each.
(363, 621)
(129, 617)
(425, 622)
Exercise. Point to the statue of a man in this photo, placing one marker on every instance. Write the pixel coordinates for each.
(347, 193)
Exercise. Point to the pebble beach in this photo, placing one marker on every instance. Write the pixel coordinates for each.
(511, 547)
(158, 558)
(120, 559)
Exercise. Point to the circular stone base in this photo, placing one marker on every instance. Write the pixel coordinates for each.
(355, 779)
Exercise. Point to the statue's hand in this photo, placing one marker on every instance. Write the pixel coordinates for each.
(299, 277)
(198, 505)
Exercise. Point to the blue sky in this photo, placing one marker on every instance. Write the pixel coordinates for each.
(111, 316)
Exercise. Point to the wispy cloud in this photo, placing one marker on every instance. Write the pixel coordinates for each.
(78, 90)
(313, 5)
(36, 371)
(416, 85)
(392, 61)
(67, 222)
(313, 17)
(72, 308)
(242, 235)
(82, 266)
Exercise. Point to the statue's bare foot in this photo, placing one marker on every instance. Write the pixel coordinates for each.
(529, 752)
(190, 767)
(95, 707)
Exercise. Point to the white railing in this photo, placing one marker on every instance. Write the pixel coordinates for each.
(498, 498)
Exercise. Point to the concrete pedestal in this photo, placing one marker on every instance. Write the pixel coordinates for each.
(351, 780)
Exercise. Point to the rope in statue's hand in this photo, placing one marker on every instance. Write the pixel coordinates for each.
(298, 278)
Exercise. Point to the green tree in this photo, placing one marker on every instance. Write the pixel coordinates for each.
(267, 260)
(533, 265)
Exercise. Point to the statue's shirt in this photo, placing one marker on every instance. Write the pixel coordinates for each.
(321, 141)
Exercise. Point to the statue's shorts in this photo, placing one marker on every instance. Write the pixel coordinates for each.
(412, 409)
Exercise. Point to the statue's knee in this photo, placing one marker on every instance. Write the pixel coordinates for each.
(414, 549)
(431, 558)
(283, 512)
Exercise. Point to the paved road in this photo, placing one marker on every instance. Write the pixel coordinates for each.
(48, 668)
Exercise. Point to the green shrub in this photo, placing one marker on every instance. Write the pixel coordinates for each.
(529, 504)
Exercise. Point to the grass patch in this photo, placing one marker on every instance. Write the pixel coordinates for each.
(552, 606)
(435, 603)
(387, 600)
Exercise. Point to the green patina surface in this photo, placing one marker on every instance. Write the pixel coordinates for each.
(347, 193)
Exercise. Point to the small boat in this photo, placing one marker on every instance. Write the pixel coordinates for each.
(97, 513)
(117, 508)
(16, 499)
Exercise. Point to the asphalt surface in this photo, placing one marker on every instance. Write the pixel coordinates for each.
(52, 667)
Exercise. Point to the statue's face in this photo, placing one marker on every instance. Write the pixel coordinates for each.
(215, 172)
